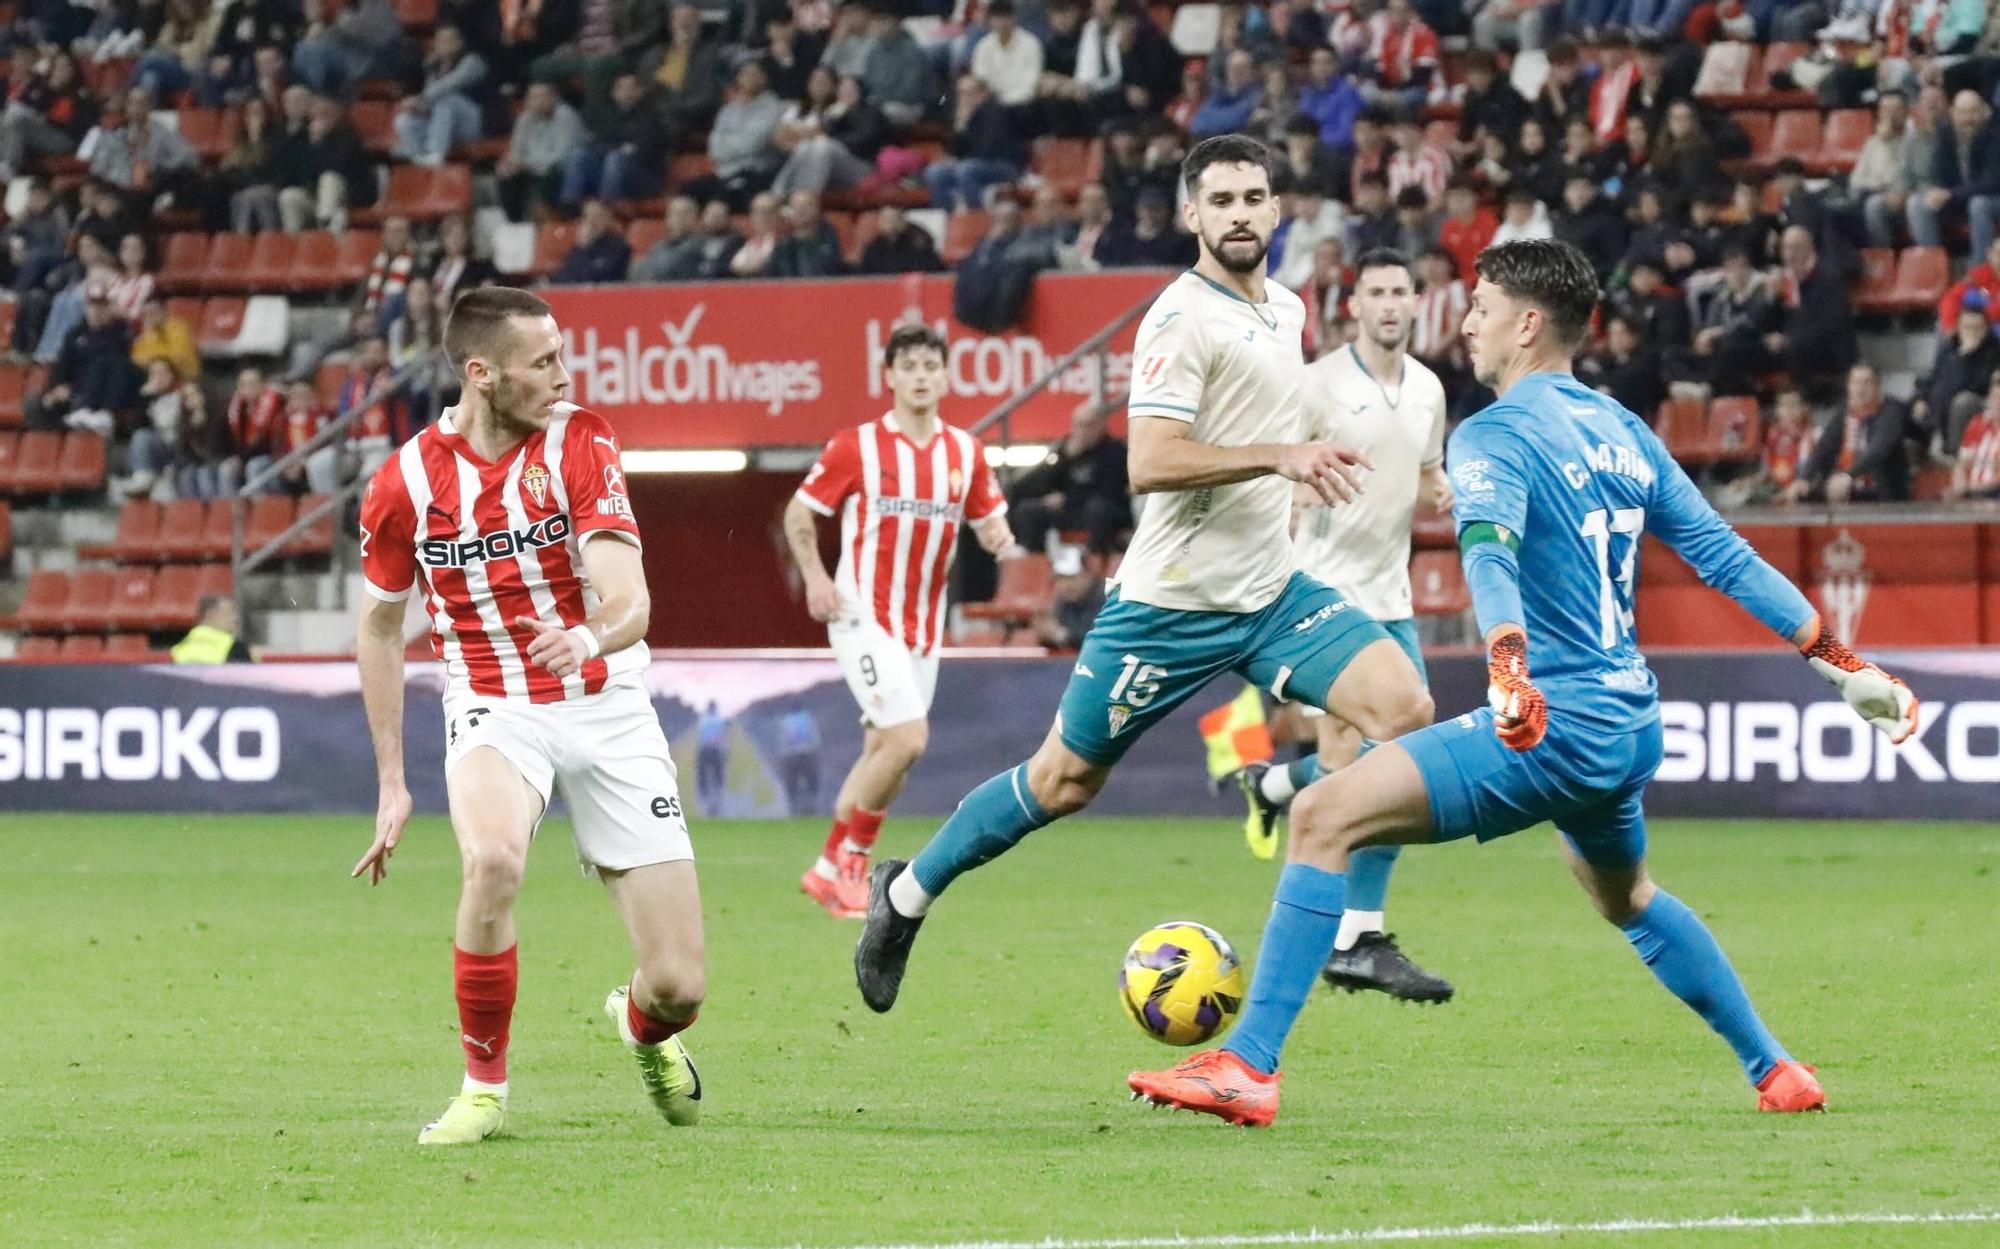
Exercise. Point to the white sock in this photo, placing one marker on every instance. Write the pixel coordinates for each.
(907, 896)
(825, 869)
(480, 1086)
(1277, 784)
(1354, 925)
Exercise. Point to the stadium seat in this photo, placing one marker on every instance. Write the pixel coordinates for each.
(1726, 71)
(8, 310)
(10, 458)
(45, 604)
(6, 536)
(38, 648)
(1876, 292)
(1922, 273)
(1027, 585)
(421, 194)
(82, 462)
(962, 234)
(553, 239)
(1063, 164)
(13, 389)
(1680, 423)
(1756, 127)
(1430, 530)
(138, 532)
(131, 603)
(375, 122)
(1841, 139)
(176, 592)
(207, 131)
(187, 310)
(450, 193)
(417, 15)
(126, 644)
(270, 515)
(228, 262)
(217, 530)
(1437, 584)
(642, 233)
(222, 319)
(90, 599)
(1733, 432)
(687, 166)
(81, 646)
(846, 227)
(316, 262)
(1796, 132)
(357, 252)
(1763, 88)
(272, 256)
(185, 263)
(318, 536)
(38, 464)
(327, 383)
(179, 534)
(213, 579)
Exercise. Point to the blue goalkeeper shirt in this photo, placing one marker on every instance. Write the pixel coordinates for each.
(1568, 481)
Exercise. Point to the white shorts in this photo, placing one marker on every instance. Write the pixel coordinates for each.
(605, 751)
(892, 683)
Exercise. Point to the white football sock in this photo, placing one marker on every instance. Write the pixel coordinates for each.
(480, 1086)
(825, 869)
(907, 896)
(1277, 784)
(1354, 925)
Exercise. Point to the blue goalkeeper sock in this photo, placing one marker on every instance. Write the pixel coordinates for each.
(1685, 957)
(1305, 916)
(1303, 772)
(1368, 876)
(987, 824)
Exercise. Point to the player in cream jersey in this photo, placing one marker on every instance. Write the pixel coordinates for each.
(1207, 586)
(1232, 372)
(1372, 396)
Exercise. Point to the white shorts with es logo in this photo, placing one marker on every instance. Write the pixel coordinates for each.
(892, 683)
(605, 751)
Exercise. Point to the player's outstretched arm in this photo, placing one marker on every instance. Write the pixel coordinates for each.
(617, 572)
(1161, 456)
(1719, 555)
(1493, 573)
(378, 648)
(802, 536)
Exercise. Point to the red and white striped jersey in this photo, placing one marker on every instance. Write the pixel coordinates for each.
(486, 543)
(1440, 320)
(900, 507)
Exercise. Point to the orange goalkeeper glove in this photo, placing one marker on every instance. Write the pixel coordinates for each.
(1882, 700)
(1520, 713)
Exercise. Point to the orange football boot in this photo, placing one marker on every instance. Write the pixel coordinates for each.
(846, 895)
(1214, 1082)
(1790, 1088)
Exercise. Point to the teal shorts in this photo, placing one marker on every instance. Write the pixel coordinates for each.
(1139, 662)
(1404, 633)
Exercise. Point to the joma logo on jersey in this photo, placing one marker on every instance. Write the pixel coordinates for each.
(444, 553)
(922, 509)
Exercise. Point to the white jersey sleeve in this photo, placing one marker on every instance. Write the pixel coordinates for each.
(1169, 364)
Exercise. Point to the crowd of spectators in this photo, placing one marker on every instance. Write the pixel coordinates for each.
(1432, 126)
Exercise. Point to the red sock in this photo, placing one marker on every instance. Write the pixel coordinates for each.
(648, 1030)
(831, 851)
(485, 984)
(863, 827)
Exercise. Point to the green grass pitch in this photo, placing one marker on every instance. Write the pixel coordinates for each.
(208, 1036)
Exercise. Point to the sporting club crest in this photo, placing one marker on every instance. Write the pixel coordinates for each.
(1843, 584)
(536, 479)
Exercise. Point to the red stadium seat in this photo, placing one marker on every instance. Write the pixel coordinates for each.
(217, 530)
(1437, 584)
(6, 536)
(1756, 128)
(641, 234)
(89, 600)
(138, 532)
(357, 252)
(38, 648)
(375, 122)
(318, 536)
(8, 312)
(1841, 140)
(1763, 89)
(687, 166)
(1431, 530)
(126, 644)
(846, 230)
(1734, 430)
(1876, 291)
(228, 263)
(45, 604)
(222, 319)
(421, 194)
(1027, 586)
(316, 263)
(553, 239)
(270, 515)
(327, 383)
(10, 459)
(1063, 163)
(417, 15)
(1922, 273)
(13, 389)
(185, 265)
(450, 193)
(866, 226)
(179, 535)
(38, 464)
(1680, 423)
(962, 234)
(272, 256)
(206, 131)
(176, 592)
(187, 310)
(131, 604)
(84, 646)
(82, 463)
(1796, 132)
(213, 579)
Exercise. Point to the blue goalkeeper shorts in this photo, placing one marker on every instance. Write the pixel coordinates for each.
(1139, 662)
(1587, 777)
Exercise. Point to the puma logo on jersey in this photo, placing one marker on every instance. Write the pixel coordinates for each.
(476, 1043)
(501, 544)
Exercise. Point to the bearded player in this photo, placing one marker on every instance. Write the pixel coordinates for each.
(1556, 484)
(1207, 585)
(901, 485)
(1372, 396)
(509, 517)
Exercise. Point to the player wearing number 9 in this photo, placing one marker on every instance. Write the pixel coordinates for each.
(1555, 486)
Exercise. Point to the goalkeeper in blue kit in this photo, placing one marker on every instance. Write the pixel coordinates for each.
(1555, 486)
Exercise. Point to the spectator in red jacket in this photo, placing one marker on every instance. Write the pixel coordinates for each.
(252, 415)
(302, 419)
(1467, 226)
(1977, 473)
(1983, 278)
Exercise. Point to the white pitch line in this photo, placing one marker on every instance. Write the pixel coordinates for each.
(1462, 1231)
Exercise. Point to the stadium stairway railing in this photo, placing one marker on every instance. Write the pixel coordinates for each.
(1000, 419)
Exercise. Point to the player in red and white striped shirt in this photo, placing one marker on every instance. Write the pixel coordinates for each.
(901, 486)
(493, 516)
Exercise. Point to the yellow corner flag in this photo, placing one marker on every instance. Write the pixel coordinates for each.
(1236, 734)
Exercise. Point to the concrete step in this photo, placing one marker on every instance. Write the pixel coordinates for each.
(329, 632)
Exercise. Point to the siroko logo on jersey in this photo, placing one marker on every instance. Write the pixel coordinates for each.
(500, 544)
(920, 509)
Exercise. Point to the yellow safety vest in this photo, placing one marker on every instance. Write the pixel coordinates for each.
(204, 644)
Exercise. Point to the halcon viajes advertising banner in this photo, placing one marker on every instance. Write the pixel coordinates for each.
(748, 364)
(1747, 734)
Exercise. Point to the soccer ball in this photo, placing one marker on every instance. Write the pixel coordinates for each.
(1181, 982)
